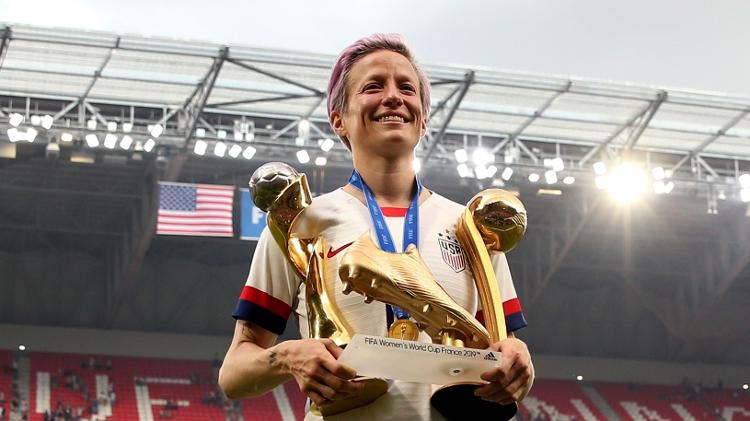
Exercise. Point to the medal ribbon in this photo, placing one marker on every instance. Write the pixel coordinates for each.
(411, 228)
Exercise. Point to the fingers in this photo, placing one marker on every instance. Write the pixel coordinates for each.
(512, 379)
(320, 375)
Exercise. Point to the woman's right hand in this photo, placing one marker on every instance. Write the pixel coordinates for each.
(313, 364)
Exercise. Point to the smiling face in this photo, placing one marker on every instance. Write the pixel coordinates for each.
(383, 114)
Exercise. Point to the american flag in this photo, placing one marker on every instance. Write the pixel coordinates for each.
(195, 209)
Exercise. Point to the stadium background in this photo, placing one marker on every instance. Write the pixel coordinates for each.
(650, 293)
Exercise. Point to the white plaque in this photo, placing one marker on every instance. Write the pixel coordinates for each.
(419, 362)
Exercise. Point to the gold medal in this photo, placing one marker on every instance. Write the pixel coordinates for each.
(404, 329)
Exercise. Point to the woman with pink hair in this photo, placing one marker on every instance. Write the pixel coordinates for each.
(378, 105)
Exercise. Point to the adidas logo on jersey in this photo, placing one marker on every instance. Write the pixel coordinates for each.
(490, 357)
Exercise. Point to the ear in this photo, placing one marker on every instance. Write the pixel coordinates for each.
(423, 128)
(337, 122)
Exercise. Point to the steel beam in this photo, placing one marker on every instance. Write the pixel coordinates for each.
(600, 147)
(468, 80)
(200, 95)
(253, 101)
(137, 239)
(643, 124)
(721, 132)
(250, 67)
(98, 72)
(569, 242)
(4, 42)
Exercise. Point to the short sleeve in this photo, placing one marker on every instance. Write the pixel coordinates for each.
(514, 318)
(271, 288)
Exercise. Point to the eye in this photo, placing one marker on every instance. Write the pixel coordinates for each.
(408, 87)
(371, 87)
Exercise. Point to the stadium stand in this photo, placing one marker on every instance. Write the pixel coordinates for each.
(559, 400)
(734, 405)
(152, 389)
(6, 378)
(654, 402)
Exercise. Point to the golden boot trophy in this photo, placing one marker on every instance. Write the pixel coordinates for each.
(493, 219)
(280, 190)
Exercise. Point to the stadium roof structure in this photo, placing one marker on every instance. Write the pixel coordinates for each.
(663, 280)
(184, 81)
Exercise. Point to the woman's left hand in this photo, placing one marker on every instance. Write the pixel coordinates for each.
(511, 380)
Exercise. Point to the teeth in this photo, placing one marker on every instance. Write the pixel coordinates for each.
(392, 118)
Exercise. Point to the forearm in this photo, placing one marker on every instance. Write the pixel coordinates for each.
(251, 370)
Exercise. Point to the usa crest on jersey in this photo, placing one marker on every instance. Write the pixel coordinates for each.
(453, 256)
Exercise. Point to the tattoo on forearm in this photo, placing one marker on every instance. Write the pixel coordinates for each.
(272, 361)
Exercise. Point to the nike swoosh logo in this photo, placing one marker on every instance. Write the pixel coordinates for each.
(332, 252)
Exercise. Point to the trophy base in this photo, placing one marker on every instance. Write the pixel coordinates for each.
(374, 388)
(457, 402)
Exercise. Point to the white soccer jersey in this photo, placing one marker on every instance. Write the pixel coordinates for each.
(273, 289)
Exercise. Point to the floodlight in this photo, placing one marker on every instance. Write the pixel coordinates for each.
(248, 153)
(249, 136)
(745, 195)
(600, 168)
(463, 170)
(299, 141)
(626, 183)
(745, 181)
(491, 171)
(658, 173)
(303, 128)
(668, 187)
(533, 177)
(220, 148)
(321, 161)
(110, 141)
(36, 120)
(238, 136)
(558, 164)
(91, 124)
(569, 180)
(579, 378)
(22, 347)
(659, 187)
(127, 127)
(14, 135)
(745, 386)
(126, 142)
(66, 137)
(149, 145)
(156, 130)
(550, 176)
(31, 134)
(200, 132)
(112, 126)
(92, 140)
(200, 147)
(482, 157)
(221, 134)
(481, 172)
(461, 156)
(327, 144)
(417, 165)
(507, 173)
(601, 182)
(235, 150)
(47, 121)
(15, 119)
(303, 157)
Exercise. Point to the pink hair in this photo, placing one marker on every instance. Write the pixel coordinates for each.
(337, 94)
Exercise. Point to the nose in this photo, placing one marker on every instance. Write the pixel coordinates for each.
(392, 96)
